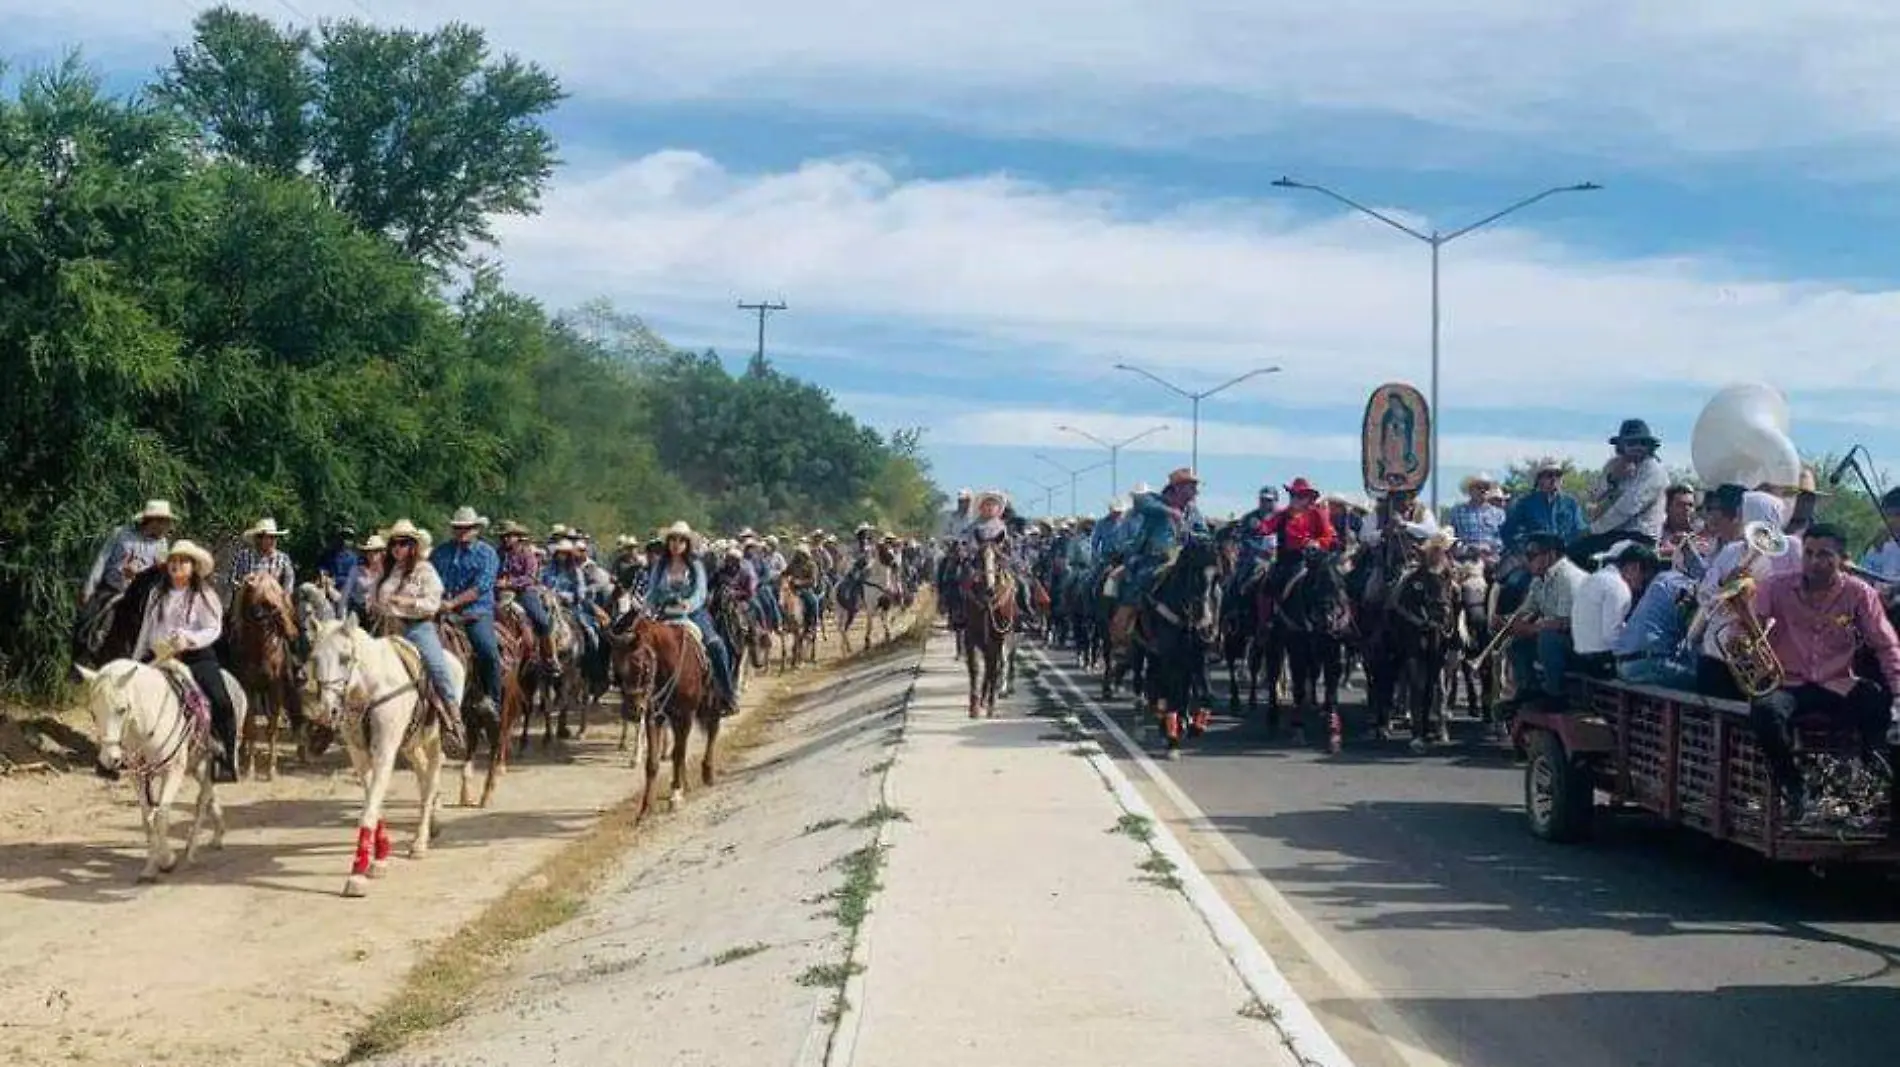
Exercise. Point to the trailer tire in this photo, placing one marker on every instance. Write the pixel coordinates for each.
(1559, 797)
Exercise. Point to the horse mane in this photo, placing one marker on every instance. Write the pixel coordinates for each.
(259, 586)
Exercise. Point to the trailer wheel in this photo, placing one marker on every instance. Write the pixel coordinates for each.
(1559, 798)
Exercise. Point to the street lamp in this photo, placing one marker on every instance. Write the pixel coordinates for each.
(1048, 494)
(1073, 473)
(1437, 241)
(1114, 451)
(1195, 398)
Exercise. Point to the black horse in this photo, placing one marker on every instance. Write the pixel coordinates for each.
(110, 630)
(1407, 657)
(1174, 627)
(1308, 631)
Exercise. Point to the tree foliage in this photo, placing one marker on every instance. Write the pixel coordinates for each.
(264, 330)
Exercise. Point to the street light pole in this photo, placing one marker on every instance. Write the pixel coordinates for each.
(1437, 241)
(1195, 399)
(1073, 473)
(1114, 451)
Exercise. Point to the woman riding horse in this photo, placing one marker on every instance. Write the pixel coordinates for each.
(183, 623)
(677, 592)
(408, 598)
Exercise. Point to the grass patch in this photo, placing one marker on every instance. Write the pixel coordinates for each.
(878, 816)
(821, 826)
(1159, 870)
(1259, 1012)
(1139, 827)
(739, 952)
(879, 767)
(853, 898)
(829, 975)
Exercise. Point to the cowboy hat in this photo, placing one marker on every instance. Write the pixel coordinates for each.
(1301, 487)
(963, 494)
(1001, 499)
(1479, 479)
(1636, 432)
(1183, 476)
(771, 540)
(865, 527)
(732, 552)
(405, 530)
(199, 558)
(559, 529)
(1139, 489)
(678, 529)
(801, 549)
(155, 509)
(565, 545)
(374, 543)
(511, 528)
(265, 528)
(465, 517)
(1549, 463)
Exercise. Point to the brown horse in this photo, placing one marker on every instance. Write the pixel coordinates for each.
(795, 631)
(516, 640)
(989, 612)
(666, 680)
(263, 627)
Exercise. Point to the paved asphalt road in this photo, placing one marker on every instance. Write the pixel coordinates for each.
(1647, 946)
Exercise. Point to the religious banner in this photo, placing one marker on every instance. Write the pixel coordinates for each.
(1395, 444)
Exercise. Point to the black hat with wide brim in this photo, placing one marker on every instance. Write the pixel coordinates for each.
(1636, 431)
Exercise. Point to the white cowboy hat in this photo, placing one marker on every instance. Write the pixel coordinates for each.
(1549, 463)
(625, 541)
(772, 540)
(678, 529)
(559, 529)
(465, 517)
(745, 532)
(963, 494)
(1001, 499)
(403, 528)
(265, 528)
(1139, 489)
(375, 543)
(1479, 478)
(565, 545)
(155, 509)
(199, 558)
(1117, 504)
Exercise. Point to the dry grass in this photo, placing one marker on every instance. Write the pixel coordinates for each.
(440, 988)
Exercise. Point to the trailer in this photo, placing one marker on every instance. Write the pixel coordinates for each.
(1693, 761)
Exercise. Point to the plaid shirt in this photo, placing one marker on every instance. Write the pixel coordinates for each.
(1477, 524)
(247, 560)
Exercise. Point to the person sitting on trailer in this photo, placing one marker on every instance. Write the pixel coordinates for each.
(1603, 603)
(1728, 512)
(1540, 638)
(1820, 616)
(1883, 560)
(1648, 648)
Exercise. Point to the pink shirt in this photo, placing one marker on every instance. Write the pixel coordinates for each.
(1816, 641)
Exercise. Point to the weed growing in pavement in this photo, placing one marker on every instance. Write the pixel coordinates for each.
(828, 975)
(1254, 1009)
(878, 768)
(739, 952)
(822, 825)
(1139, 827)
(880, 815)
(1158, 870)
(860, 881)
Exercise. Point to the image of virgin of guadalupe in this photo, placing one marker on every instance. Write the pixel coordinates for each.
(1398, 441)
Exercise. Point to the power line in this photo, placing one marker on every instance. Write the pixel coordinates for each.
(763, 309)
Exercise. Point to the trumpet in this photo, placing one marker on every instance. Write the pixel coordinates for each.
(1743, 644)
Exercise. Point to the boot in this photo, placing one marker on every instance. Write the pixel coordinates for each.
(550, 665)
(449, 722)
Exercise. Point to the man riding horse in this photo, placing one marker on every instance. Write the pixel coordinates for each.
(1155, 526)
(130, 551)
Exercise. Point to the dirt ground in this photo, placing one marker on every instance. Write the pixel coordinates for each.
(249, 955)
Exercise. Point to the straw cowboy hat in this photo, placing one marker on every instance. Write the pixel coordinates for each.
(511, 528)
(1182, 476)
(678, 529)
(200, 559)
(558, 530)
(405, 530)
(1002, 499)
(265, 528)
(1480, 479)
(374, 543)
(1140, 489)
(1117, 504)
(155, 509)
(466, 517)
(1549, 463)
(565, 545)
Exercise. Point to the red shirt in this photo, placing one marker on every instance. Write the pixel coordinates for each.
(1298, 529)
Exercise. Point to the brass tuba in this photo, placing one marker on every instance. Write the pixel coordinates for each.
(1745, 650)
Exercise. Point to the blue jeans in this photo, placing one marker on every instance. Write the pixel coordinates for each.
(537, 610)
(487, 649)
(435, 659)
(1136, 577)
(767, 604)
(1549, 650)
(1657, 670)
(715, 651)
(809, 597)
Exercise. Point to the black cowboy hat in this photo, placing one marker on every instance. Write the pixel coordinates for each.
(1543, 541)
(1636, 431)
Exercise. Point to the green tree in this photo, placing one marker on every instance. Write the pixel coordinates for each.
(419, 136)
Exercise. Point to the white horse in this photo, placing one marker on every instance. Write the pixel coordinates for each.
(144, 729)
(371, 696)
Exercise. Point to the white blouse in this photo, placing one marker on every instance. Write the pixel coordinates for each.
(416, 597)
(188, 620)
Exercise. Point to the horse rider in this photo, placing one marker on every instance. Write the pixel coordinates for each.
(131, 549)
(1546, 509)
(1477, 521)
(804, 574)
(261, 555)
(1157, 523)
(1255, 542)
(566, 578)
(990, 525)
(337, 566)
(628, 561)
(1636, 485)
(363, 580)
(408, 597)
(469, 567)
(678, 592)
(182, 624)
(952, 524)
(1395, 509)
(520, 577)
(736, 579)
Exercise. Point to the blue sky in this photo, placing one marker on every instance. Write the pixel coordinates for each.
(975, 210)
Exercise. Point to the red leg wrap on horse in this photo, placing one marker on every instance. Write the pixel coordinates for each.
(1171, 723)
(382, 840)
(363, 838)
(1201, 718)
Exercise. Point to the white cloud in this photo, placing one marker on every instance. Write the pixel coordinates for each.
(1631, 77)
(1061, 283)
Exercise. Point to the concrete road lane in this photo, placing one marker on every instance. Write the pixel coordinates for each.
(1647, 946)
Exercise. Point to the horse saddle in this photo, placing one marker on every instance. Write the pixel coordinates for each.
(686, 626)
(195, 701)
(411, 659)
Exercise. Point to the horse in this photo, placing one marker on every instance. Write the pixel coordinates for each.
(263, 628)
(666, 680)
(989, 613)
(1477, 596)
(551, 697)
(1411, 651)
(374, 692)
(732, 618)
(797, 635)
(1242, 621)
(145, 727)
(114, 631)
(849, 595)
(514, 639)
(1174, 624)
(1121, 656)
(1308, 631)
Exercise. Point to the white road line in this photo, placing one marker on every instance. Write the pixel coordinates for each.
(1402, 1039)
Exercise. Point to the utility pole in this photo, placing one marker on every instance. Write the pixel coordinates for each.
(1114, 451)
(763, 309)
(1074, 474)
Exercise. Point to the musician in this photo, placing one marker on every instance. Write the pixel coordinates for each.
(1603, 601)
(1679, 519)
(1540, 637)
(1727, 511)
(1637, 482)
(1648, 649)
(1821, 616)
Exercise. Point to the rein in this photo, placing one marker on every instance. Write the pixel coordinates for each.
(184, 733)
